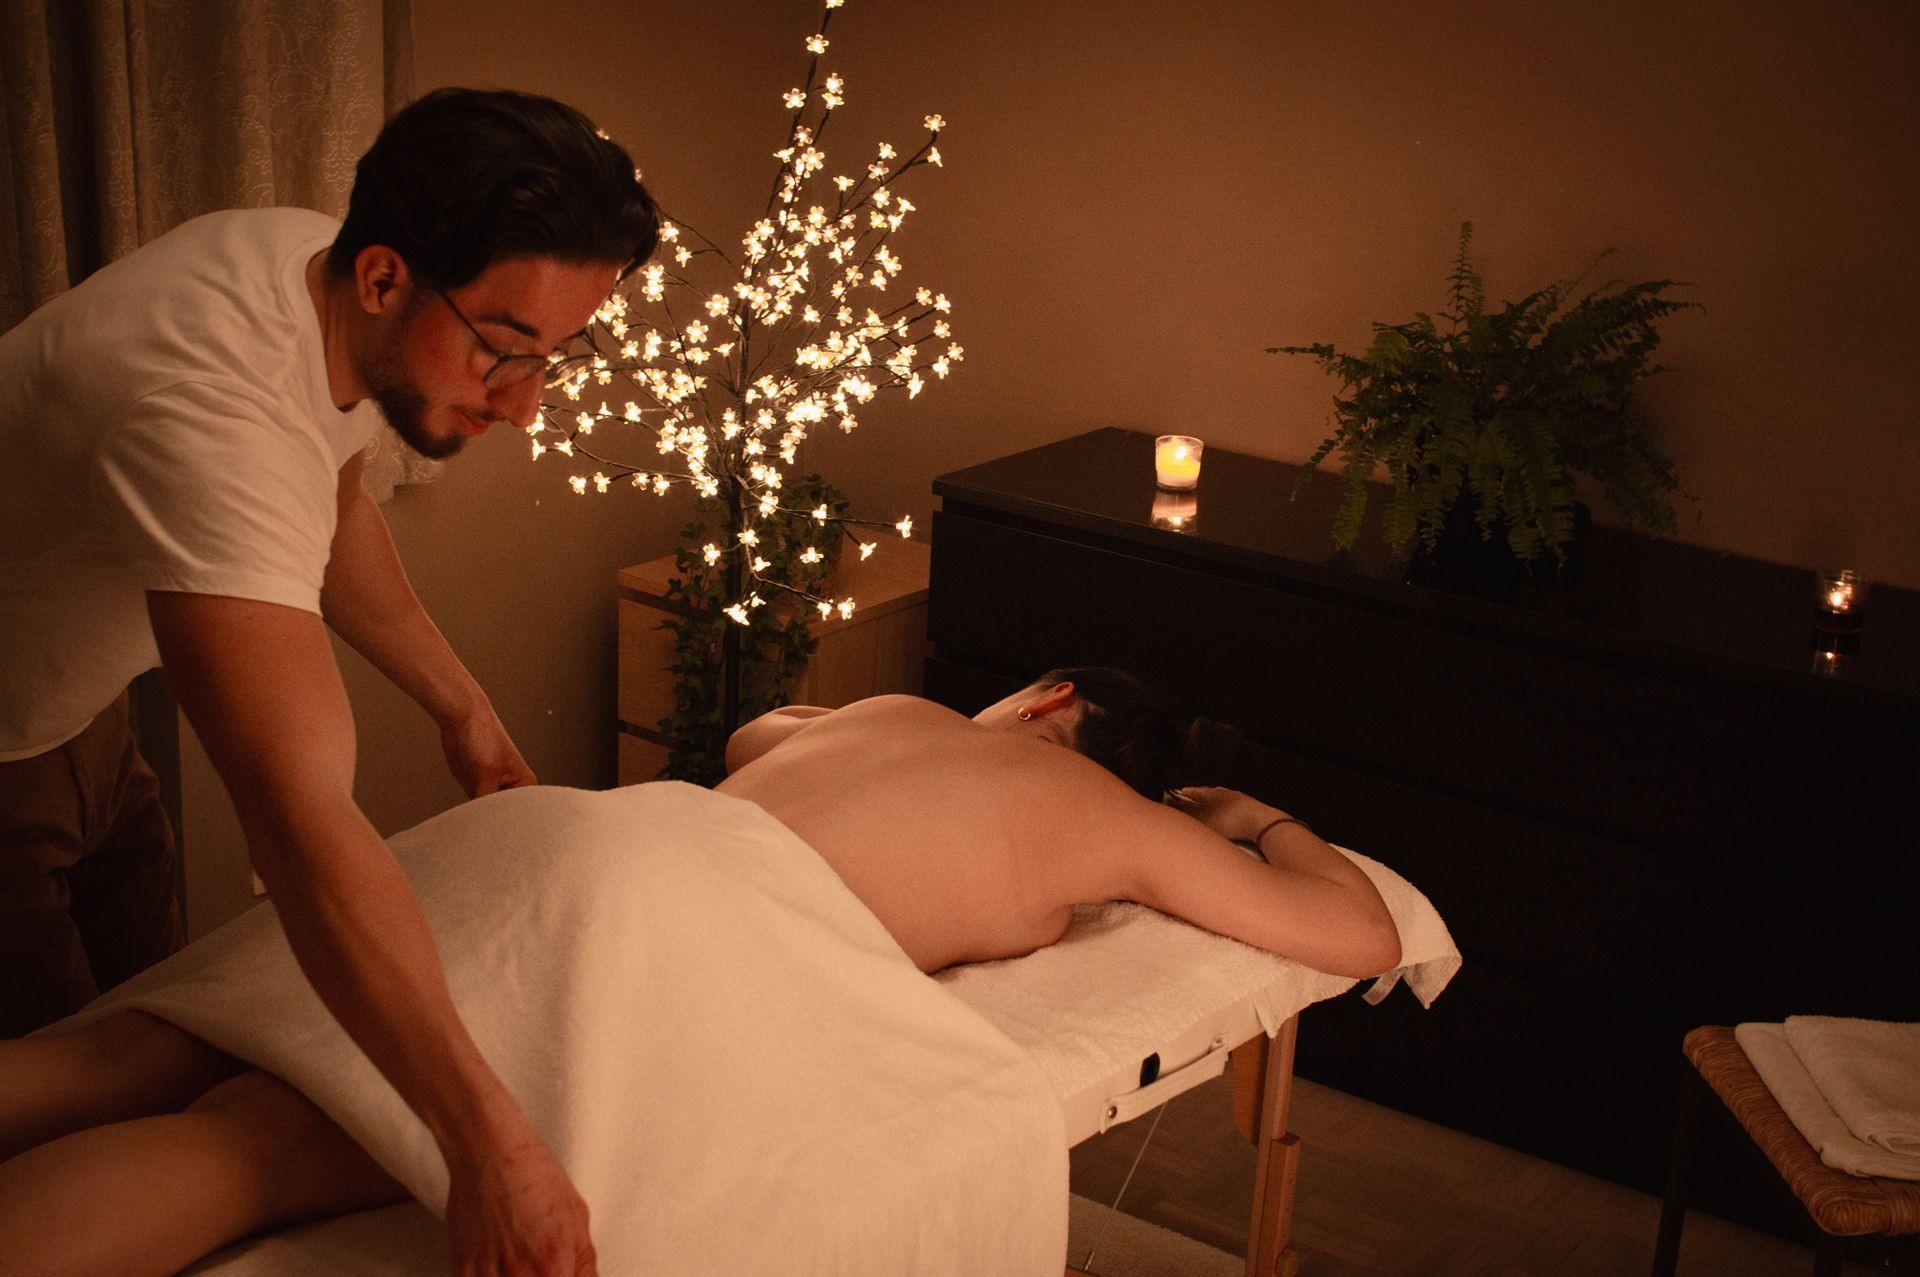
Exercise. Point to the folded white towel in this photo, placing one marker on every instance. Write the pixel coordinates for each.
(1774, 1060)
(1428, 956)
(1869, 1070)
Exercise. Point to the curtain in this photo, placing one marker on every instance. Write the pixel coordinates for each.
(124, 118)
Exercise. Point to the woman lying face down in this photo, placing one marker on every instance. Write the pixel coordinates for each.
(973, 839)
(136, 1147)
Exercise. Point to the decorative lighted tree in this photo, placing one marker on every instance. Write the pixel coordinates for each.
(804, 327)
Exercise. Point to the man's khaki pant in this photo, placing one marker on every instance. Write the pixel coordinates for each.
(86, 874)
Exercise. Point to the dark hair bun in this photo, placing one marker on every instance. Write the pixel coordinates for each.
(1130, 729)
(1205, 745)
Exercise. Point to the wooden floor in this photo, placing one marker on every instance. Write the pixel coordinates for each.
(1383, 1193)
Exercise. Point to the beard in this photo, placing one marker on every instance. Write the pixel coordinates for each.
(400, 401)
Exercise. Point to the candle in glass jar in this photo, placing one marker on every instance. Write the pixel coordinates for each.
(1840, 601)
(1176, 461)
(1842, 592)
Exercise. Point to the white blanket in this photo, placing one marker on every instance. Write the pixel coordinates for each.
(738, 1066)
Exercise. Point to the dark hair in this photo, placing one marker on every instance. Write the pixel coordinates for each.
(462, 178)
(1135, 733)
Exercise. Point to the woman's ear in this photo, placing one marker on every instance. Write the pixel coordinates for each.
(1057, 697)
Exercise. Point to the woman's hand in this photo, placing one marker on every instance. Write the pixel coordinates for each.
(1228, 812)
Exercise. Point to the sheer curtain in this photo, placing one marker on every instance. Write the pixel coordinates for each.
(124, 118)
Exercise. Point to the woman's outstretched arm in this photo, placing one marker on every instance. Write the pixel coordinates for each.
(1307, 902)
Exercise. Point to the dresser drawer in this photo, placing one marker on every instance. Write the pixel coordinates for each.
(1654, 933)
(1728, 778)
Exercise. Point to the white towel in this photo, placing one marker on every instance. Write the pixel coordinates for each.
(1428, 956)
(1869, 1070)
(739, 1067)
(1774, 1060)
(1125, 975)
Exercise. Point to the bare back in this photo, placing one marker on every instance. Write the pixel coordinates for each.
(967, 843)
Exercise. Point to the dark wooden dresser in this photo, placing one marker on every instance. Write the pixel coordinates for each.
(1637, 802)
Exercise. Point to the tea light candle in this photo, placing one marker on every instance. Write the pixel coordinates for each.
(1840, 598)
(1175, 511)
(1837, 591)
(1176, 462)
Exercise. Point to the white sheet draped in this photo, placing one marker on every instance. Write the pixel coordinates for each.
(738, 1066)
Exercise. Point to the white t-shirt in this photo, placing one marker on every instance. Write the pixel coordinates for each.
(164, 426)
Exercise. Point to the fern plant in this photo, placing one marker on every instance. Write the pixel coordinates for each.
(1482, 424)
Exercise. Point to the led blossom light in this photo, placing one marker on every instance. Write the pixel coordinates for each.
(732, 380)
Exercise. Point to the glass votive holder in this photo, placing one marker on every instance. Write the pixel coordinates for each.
(1839, 601)
(1176, 511)
(1176, 462)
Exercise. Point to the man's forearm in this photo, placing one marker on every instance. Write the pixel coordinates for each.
(359, 935)
(367, 601)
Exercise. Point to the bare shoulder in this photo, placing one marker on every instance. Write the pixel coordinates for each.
(846, 727)
(898, 705)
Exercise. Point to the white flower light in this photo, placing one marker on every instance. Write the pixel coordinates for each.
(801, 348)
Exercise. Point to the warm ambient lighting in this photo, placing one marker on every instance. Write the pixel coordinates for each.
(1176, 462)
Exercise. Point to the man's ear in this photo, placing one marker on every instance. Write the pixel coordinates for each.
(380, 278)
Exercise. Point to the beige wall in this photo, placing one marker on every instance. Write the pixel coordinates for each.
(1139, 198)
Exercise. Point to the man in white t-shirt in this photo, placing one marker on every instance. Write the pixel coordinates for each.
(182, 434)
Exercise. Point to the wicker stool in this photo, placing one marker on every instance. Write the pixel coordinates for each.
(1832, 1205)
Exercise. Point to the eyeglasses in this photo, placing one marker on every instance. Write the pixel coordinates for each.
(507, 370)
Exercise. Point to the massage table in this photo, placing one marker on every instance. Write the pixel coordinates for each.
(1191, 1001)
(1128, 1010)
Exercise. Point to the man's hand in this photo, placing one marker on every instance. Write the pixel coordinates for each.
(258, 683)
(481, 754)
(512, 1212)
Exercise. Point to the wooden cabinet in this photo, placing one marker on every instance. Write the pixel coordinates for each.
(1640, 803)
(880, 649)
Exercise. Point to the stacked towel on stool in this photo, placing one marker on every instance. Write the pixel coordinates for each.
(1851, 1086)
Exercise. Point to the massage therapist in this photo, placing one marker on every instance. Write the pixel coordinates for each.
(183, 436)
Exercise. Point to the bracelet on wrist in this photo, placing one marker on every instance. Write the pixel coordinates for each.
(1271, 825)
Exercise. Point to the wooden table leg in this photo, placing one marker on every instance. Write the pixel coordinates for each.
(1269, 1253)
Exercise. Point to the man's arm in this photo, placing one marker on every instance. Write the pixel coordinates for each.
(259, 684)
(368, 602)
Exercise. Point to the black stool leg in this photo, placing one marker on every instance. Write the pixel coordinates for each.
(1673, 1212)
